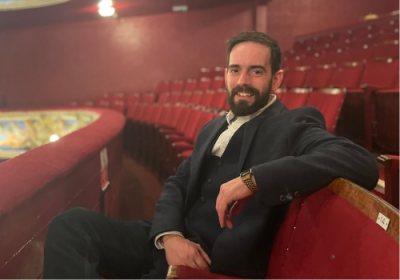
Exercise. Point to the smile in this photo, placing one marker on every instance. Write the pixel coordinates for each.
(244, 94)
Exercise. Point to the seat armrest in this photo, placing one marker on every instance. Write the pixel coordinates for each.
(185, 272)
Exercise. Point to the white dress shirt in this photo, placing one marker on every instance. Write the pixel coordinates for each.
(234, 123)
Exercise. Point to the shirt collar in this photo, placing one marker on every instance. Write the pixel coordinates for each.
(231, 118)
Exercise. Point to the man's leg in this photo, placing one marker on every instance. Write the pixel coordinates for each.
(81, 242)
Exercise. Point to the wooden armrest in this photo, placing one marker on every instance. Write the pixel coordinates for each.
(185, 272)
(172, 272)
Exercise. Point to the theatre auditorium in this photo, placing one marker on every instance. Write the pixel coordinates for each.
(233, 138)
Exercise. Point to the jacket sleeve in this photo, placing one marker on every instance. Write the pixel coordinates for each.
(316, 158)
(169, 210)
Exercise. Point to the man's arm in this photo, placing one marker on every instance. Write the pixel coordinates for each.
(168, 223)
(316, 158)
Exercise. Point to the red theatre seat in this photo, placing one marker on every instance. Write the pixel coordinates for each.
(330, 234)
(217, 83)
(191, 85)
(131, 98)
(295, 98)
(103, 101)
(177, 85)
(280, 93)
(163, 86)
(329, 102)
(218, 72)
(164, 97)
(348, 75)
(312, 60)
(319, 77)
(219, 99)
(148, 97)
(204, 84)
(205, 73)
(391, 176)
(295, 77)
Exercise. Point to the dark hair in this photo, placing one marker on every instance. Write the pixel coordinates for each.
(260, 38)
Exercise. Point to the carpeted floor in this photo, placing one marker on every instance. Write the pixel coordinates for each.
(140, 191)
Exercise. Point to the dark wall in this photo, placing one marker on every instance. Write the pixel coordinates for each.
(52, 65)
(288, 19)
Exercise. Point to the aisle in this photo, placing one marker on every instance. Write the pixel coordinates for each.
(140, 191)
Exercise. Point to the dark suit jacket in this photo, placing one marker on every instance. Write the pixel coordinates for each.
(289, 152)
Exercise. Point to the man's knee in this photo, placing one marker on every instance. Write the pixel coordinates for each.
(71, 219)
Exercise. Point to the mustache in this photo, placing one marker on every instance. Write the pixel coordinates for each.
(246, 89)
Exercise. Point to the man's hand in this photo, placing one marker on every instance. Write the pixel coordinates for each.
(234, 190)
(180, 251)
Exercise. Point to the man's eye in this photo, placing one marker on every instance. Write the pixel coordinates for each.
(257, 72)
(234, 70)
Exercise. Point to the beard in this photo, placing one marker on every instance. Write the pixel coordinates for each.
(242, 108)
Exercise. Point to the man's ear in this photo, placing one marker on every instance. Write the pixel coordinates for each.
(226, 76)
(277, 80)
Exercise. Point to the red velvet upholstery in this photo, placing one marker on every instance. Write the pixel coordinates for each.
(292, 63)
(381, 74)
(388, 50)
(295, 98)
(319, 77)
(207, 99)
(131, 98)
(148, 97)
(205, 73)
(177, 85)
(103, 101)
(347, 76)
(118, 102)
(175, 97)
(196, 97)
(43, 182)
(163, 86)
(313, 60)
(219, 99)
(325, 236)
(204, 84)
(186, 97)
(217, 83)
(191, 85)
(358, 54)
(218, 72)
(329, 102)
(333, 57)
(294, 78)
(164, 97)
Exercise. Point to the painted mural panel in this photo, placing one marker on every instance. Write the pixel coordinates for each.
(23, 131)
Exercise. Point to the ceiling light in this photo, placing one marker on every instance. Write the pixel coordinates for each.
(105, 4)
(107, 11)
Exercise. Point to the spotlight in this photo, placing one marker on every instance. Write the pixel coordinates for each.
(54, 138)
(105, 4)
(107, 11)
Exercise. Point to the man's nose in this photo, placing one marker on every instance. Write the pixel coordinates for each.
(244, 79)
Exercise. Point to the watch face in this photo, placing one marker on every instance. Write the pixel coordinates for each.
(245, 173)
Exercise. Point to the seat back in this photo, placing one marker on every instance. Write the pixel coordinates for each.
(191, 127)
(163, 86)
(219, 99)
(329, 102)
(295, 77)
(183, 120)
(218, 72)
(319, 77)
(196, 97)
(205, 117)
(381, 74)
(204, 84)
(313, 60)
(348, 75)
(132, 98)
(295, 98)
(207, 99)
(175, 96)
(333, 234)
(177, 85)
(163, 97)
(186, 97)
(148, 97)
(191, 85)
(103, 101)
(218, 82)
(205, 73)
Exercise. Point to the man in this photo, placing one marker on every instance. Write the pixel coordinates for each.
(222, 209)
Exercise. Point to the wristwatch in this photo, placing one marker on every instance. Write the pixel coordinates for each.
(246, 178)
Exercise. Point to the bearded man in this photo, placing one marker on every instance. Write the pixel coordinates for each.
(222, 209)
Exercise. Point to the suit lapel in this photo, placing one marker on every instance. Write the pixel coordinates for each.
(251, 129)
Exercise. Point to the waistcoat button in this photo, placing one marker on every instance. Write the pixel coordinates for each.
(190, 215)
(297, 194)
(282, 198)
(202, 198)
(219, 163)
(209, 181)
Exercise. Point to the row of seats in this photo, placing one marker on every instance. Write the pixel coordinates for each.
(368, 33)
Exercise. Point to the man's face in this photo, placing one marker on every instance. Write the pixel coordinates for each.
(248, 78)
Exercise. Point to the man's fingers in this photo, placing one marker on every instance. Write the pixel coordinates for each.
(201, 263)
(204, 255)
(228, 222)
